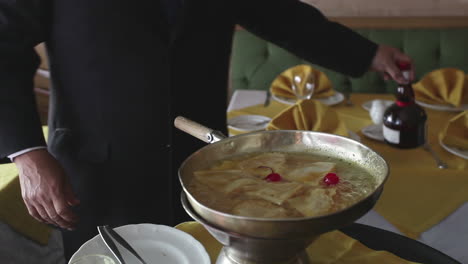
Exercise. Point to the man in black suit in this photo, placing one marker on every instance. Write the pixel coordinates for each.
(121, 71)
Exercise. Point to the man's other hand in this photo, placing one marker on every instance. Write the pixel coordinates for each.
(385, 62)
(46, 190)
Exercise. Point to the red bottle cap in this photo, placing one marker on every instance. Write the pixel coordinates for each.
(404, 104)
(404, 65)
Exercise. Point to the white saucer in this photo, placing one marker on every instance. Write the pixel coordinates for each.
(331, 100)
(367, 105)
(374, 132)
(463, 153)
(94, 259)
(448, 108)
(248, 122)
(354, 136)
(154, 243)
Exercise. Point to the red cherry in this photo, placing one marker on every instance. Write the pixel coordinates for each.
(331, 179)
(273, 177)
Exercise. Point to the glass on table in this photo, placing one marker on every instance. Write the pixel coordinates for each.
(303, 85)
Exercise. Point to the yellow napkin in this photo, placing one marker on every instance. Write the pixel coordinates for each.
(13, 211)
(281, 86)
(309, 115)
(443, 86)
(455, 132)
(331, 248)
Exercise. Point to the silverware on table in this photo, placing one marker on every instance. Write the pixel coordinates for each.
(109, 235)
(267, 99)
(348, 101)
(440, 163)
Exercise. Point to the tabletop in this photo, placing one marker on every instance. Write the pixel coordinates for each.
(449, 234)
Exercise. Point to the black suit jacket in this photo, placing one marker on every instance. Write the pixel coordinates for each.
(120, 77)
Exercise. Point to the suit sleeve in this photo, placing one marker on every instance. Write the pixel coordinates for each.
(21, 28)
(306, 32)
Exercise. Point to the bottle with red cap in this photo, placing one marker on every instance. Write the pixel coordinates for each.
(404, 122)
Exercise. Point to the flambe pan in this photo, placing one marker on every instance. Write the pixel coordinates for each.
(295, 141)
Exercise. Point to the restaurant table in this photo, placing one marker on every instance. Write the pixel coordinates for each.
(450, 235)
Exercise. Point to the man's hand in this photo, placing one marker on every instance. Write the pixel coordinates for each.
(45, 189)
(385, 62)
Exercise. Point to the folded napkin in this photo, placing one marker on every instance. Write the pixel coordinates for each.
(281, 86)
(309, 115)
(331, 248)
(443, 86)
(455, 132)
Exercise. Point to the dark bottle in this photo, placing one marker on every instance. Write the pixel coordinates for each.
(404, 122)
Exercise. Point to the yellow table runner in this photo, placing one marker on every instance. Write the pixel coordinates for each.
(417, 195)
(13, 211)
(331, 248)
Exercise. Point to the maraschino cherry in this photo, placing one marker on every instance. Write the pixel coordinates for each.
(331, 179)
(273, 176)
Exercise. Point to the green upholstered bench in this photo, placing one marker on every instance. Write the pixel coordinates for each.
(256, 62)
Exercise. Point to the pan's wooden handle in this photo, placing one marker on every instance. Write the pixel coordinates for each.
(193, 128)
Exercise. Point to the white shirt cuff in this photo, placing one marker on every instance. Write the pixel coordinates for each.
(16, 154)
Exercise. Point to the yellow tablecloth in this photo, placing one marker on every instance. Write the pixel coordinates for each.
(331, 248)
(417, 194)
(13, 211)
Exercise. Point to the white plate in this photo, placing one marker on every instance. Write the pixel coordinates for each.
(367, 105)
(94, 259)
(154, 243)
(331, 100)
(354, 136)
(374, 132)
(449, 108)
(248, 122)
(463, 153)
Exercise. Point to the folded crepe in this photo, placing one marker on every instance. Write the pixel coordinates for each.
(282, 85)
(447, 86)
(310, 115)
(455, 132)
